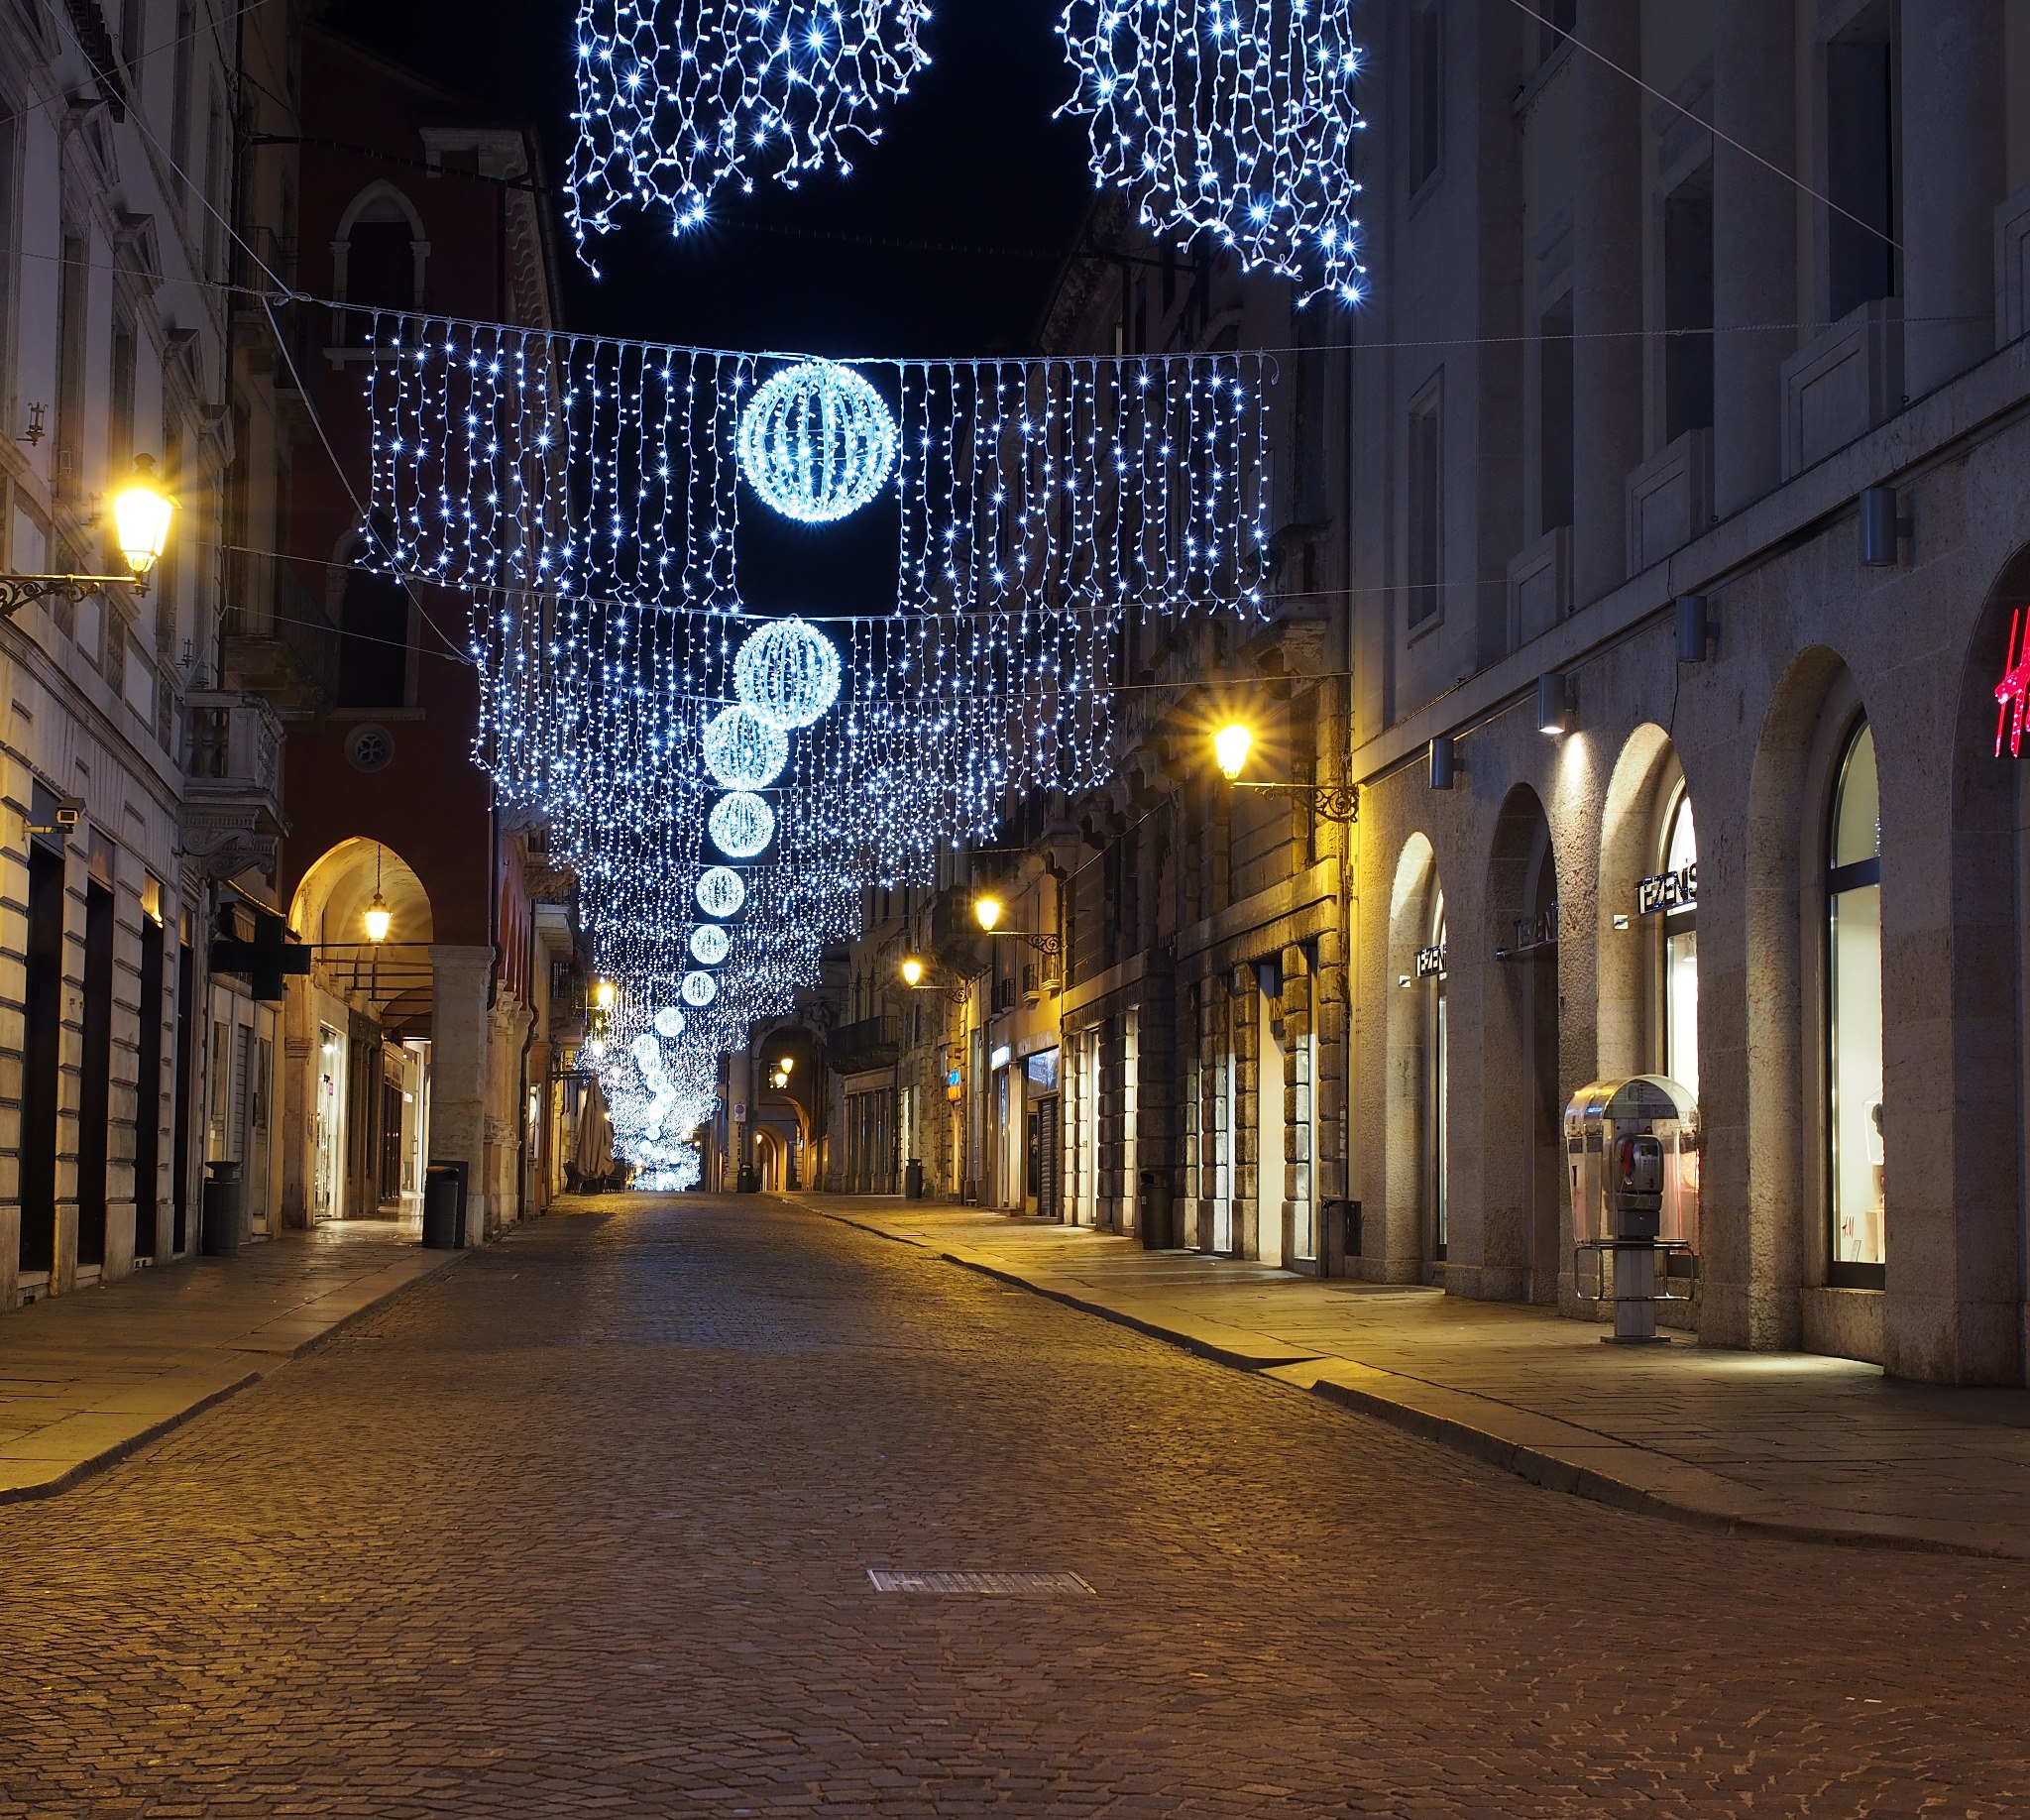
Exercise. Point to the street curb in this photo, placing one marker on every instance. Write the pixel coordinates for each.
(1535, 1465)
(110, 1456)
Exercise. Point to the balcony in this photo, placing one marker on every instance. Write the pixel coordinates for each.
(874, 1042)
(232, 783)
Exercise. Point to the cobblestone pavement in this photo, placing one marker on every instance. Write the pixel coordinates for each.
(584, 1527)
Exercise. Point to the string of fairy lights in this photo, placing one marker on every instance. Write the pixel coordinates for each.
(726, 782)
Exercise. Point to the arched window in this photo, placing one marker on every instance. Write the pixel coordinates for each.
(1854, 1021)
(381, 248)
(1679, 996)
(1438, 1062)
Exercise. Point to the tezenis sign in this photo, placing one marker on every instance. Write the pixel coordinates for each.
(2014, 690)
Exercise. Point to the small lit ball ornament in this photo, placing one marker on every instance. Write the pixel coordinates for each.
(742, 752)
(721, 891)
(699, 989)
(742, 825)
(710, 945)
(646, 1055)
(817, 442)
(788, 673)
(669, 1022)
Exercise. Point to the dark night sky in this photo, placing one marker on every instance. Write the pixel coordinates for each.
(972, 158)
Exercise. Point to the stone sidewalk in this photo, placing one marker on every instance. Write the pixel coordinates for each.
(1790, 1443)
(87, 1378)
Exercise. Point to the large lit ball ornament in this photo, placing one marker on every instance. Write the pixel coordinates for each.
(721, 891)
(709, 943)
(742, 752)
(699, 989)
(817, 442)
(788, 673)
(742, 825)
(647, 1053)
(669, 1023)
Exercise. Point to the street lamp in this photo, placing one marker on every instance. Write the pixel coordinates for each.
(913, 975)
(378, 917)
(987, 913)
(604, 995)
(141, 520)
(1329, 802)
(788, 1065)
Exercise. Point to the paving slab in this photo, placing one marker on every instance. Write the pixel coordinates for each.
(1794, 1443)
(87, 1378)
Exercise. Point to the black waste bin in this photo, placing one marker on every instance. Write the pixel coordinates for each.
(444, 1206)
(224, 1210)
(1155, 1210)
(913, 1180)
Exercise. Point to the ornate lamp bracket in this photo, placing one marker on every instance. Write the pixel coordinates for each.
(1329, 802)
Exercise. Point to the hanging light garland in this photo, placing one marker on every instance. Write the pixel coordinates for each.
(1229, 118)
(679, 99)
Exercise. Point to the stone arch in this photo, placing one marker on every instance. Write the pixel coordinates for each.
(1756, 1265)
(1982, 1099)
(1406, 1107)
(1639, 792)
(1521, 1172)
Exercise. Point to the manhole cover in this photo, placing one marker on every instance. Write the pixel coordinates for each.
(974, 1580)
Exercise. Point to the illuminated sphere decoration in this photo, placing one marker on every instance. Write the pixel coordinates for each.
(742, 752)
(669, 1022)
(721, 891)
(788, 673)
(647, 1053)
(742, 825)
(699, 989)
(817, 442)
(709, 943)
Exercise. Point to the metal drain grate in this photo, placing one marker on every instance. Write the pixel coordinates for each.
(974, 1580)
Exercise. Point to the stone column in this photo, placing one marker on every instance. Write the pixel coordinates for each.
(460, 1033)
(1755, 244)
(1952, 182)
(1607, 291)
(740, 1093)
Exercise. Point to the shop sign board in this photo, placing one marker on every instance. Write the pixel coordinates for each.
(1430, 963)
(1667, 891)
(2012, 693)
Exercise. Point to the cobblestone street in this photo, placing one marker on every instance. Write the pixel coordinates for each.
(584, 1526)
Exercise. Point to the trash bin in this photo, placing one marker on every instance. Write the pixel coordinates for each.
(913, 1180)
(224, 1210)
(444, 1206)
(1156, 1212)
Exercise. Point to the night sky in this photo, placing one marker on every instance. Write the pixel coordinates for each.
(972, 159)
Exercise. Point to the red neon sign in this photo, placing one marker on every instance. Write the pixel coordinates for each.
(2014, 690)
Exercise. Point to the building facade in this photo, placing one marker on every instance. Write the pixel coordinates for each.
(1651, 555)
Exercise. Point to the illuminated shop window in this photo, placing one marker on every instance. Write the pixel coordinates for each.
(1681, 947)
(1853, 1074)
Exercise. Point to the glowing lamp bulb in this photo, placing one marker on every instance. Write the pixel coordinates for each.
(787, 1064)
(378, 918)
(141, 518)
(912, 971)
(988, 910)
(1231, 744)
(604, 994)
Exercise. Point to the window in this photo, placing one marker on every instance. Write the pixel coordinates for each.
(373, 640)
(1861, 168)
(133, 22)
(1426, 504)
(1554, 414)
(380, 257)
(9, 135)
(1437, 1070)
(1688, 305)
(1559, 17)
(1680, 992)
(179, 101)
(73, 312)
(1854, 1022)
(1427, 68)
